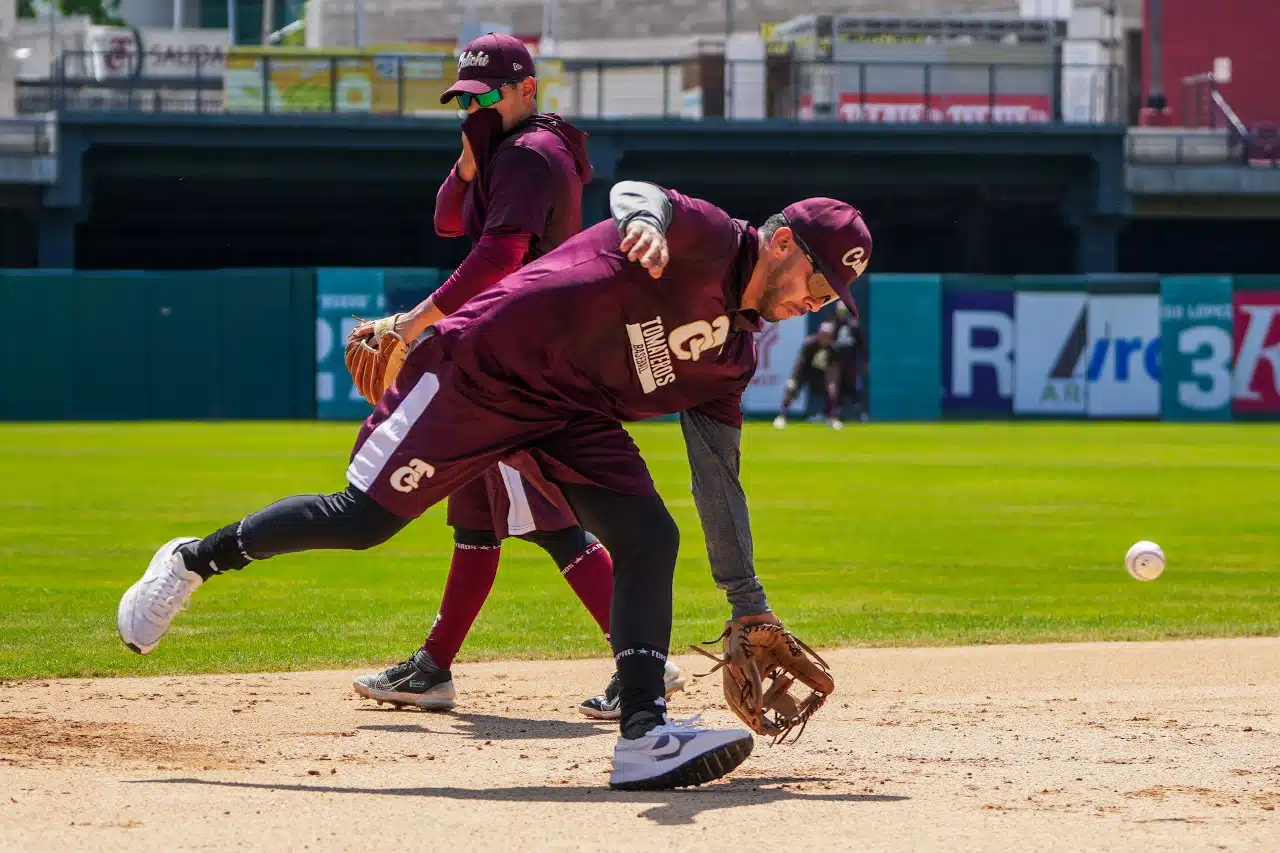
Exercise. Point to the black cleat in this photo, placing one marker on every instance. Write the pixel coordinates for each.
(407, 684)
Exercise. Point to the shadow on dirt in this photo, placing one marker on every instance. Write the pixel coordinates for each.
(670, 807)
(490, 727)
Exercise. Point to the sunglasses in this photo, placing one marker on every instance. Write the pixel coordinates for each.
(485, 99)
(819, 287)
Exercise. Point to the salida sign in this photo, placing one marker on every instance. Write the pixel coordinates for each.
(133, 52)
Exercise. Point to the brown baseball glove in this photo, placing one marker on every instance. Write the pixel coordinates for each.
(761, 663)
(375, 354)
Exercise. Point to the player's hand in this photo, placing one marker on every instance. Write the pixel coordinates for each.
(365, 328)
(766, 618)
(647, 245)
(467, 162)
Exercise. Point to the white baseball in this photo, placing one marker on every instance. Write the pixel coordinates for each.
(1145, 561)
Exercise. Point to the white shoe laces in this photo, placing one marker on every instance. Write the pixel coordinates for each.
(174, 595)
(686, 722)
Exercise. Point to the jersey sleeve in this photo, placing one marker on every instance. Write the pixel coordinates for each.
(490, 260)
(632, 200)
(448, 214)
(521, 195)
(699, 232)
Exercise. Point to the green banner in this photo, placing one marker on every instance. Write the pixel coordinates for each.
(340, 294)
(1195, 348)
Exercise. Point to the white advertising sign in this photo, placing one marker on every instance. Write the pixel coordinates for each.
(1049, 365)
(1122, 365)
(776, 350)
(154, 52)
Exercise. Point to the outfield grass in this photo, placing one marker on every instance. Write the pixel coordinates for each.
(931, 534)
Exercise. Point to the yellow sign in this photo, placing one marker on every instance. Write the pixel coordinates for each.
(553, 95)
(301, 80)
(382, 81)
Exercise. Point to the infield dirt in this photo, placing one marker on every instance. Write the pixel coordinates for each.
(1092, 747)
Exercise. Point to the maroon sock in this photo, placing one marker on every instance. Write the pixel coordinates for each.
(471, 574)
(590, 574)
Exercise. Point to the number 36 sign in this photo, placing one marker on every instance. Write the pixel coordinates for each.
(1196, 348)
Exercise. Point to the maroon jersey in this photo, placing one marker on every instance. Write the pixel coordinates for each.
(609, 339)
(527, 181)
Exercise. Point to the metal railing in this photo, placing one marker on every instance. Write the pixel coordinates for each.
(1204, 106)
(29, 135)
(690, 88)
(1180, 146)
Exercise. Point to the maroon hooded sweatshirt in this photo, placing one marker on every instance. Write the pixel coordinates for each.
(525, 200)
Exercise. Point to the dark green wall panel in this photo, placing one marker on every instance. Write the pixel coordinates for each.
(167, 345)
(112, 311)
(37, 371)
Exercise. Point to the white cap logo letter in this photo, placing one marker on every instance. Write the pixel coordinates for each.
(855, 259)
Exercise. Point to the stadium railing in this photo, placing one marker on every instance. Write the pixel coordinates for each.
(1204, 106)
(691, 88)
(34, 135)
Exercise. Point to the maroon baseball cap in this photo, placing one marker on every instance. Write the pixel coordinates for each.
(487, 63)
(836, 238)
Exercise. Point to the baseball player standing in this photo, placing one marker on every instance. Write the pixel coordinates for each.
(610, 344)
(818, 367)
(516, 192)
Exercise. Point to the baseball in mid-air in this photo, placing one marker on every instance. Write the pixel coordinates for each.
(1145, 560)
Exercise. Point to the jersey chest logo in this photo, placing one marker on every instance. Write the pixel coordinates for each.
(652, 348)
(691, 340)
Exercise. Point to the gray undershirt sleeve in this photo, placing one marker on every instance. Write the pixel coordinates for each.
(714, 458)
(630, 200)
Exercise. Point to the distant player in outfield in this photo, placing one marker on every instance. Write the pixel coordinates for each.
(539, 372)
(516, 192)
(818, 368)
(850, 351)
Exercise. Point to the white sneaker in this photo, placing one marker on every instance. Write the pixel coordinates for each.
(608, 705)
(148, 608)
(836, 423)
(673, 679)
(779, 422)
(677, 755)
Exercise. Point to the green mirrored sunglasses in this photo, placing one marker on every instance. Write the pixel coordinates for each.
(486, 99)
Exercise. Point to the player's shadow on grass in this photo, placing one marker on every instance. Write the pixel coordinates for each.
(491, 727)
(671, 807)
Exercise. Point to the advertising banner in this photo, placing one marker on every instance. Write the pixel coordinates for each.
(303, 80)
(938, 108)
(1123, 368)
(131, 52)
(776, 349)
(1196, 348)
(1257, 340)
(977, 351)
(1051, 335)
(382, 82)
(339, 295)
